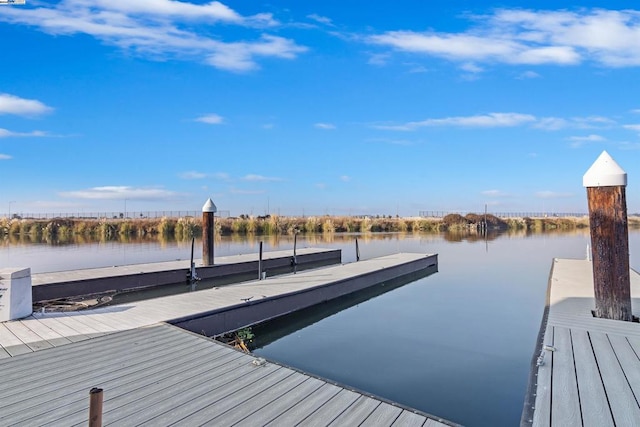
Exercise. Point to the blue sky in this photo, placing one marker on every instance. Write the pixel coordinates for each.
(325, 107)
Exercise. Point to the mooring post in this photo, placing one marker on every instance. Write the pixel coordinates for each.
(208, 231)
(295, 256)
(357, 251)
(95, 407)
(260, 263)
(605, 182)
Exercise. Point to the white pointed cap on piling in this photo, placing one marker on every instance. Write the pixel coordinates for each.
(605, 172)
(209, 206)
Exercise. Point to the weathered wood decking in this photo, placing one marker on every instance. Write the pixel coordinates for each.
(63, 284)
(163, 375)
(278, 295)
(591, 370)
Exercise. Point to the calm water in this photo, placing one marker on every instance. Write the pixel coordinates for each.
(456, 344)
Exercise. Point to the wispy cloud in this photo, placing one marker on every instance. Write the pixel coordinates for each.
(345, 178)
(497, 120)
(11, 104)
(632, 127)
(5, 133)
(160, 29)
(530, 37)
(497, 194)
(472, 68)
(5, 157)
(553, 195)
(112, 192)
(325, 126)
(528, 75)
(260, 178)
(490, 120)
(193, 175)
(320, 19)
(211, 119)
(578, 141)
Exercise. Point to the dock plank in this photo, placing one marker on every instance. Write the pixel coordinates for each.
(306, 406)
(621, 400)
(384, 414)
(565, 403)
(409, 419)
(542, 410)
(593, 399)
(282, 404)
(331, 409)
(34, 341)
(253, 401)
(358, 412)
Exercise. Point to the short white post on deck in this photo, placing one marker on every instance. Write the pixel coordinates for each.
(605, 182)
(15, 293)
(208, 231)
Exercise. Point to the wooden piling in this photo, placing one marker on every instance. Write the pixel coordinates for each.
(208, 232)
(95, 407)
(605, 182)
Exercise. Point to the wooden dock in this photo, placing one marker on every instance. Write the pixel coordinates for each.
(586, 371)
(163, 375)
(154, 373)
(64, 284)
(232, 306)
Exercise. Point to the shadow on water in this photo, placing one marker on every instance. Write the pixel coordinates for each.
(273, 330)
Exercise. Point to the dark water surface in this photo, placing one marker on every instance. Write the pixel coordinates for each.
(457, 343)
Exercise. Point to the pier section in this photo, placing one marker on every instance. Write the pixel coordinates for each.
(586, 370)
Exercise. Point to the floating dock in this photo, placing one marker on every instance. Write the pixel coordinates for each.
(64, 284)
(154, 373)
(163, 375)
(586, 370)
(212, 311)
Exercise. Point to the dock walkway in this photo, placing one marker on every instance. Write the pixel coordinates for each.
(63, 284)
(163, 375)
(590, 374)
(236, 305)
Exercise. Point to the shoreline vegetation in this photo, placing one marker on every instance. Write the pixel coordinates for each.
(186, 227)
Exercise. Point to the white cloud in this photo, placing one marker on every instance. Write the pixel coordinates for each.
(588, 138)
(260, 178)
(212, 119)
(222, 176)
(379, 59)
(160, 29)
(553, 195)
(4, 133)
(579, 141)
(515, 36)
(321, 19)
(482, 121)
(636, 111)
(193, 175)
(345, 178)
(528, 75)
(120, 192)
(11, 104)
(321, 185)
(630, 127)
(325, 126)
(240, 56)
(470, 67)
(495, 194)
(5, 157)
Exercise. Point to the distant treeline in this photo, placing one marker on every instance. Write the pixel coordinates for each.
(182, 228)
